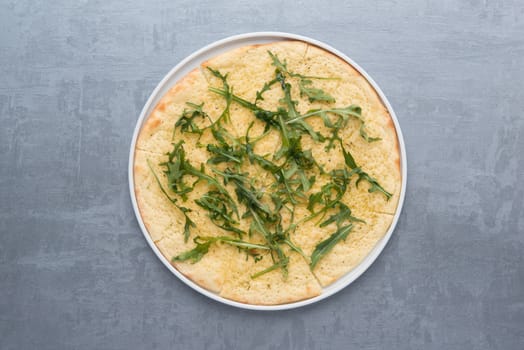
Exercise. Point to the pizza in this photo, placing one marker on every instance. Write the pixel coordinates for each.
(268, 172)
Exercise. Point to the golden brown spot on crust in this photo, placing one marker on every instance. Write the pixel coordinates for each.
(154, 123)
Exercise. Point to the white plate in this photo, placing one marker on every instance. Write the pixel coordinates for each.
(212, 50)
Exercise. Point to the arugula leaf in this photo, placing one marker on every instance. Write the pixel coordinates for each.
(175, 170)
(330, 194)
(326, 245)
(178, 167)
(292, 112)
(281, 260)
(344, 113)
(239, 243)
(188, 222)
(218, 211)
(375, 186)
(281, 264)
(304, 82)
(223, 154)
(195, 254)
(312, 93)
(339, 218)
(364, 134)
(186, 122)
(235, 98)
(282, 66)
(295, 248)
(362, 175)
(227, 95)
(268, 117)
(204, 243)
(246, 193)
(265, 88)
(265, 164)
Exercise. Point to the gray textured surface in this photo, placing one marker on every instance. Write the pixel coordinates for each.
(75, 271)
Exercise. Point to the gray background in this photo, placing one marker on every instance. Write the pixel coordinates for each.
(75, 270)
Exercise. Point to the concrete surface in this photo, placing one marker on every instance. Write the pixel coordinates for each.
(75, 271)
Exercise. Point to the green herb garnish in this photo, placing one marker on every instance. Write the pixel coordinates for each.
(227, 94)
(304, 83)
(326, 245)
(362, 175)
(177, 168)
(186, 122)
(219, 212)
(344, 114)
(188, 222)
(312, 93)
(203, 244)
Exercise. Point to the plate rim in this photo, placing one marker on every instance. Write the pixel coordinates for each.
(349, 277)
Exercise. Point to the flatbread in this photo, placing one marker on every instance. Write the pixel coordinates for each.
(224, 270)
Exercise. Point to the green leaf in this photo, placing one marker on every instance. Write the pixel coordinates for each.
(295, 248)
(219, 212)
(364, 134)
(343, 215)
(348, 158)
(178, 168)
(223, 154)
(203, 244)
(187, 123)
(375, 186)
(188, 222)
(362, 175)
(312, 93)
(246, 193)
(240, 243)
(281, 66)
(195, 254)
(228, 92)
(344, 113)
(327, 245)
(267, 86)
(292, 112)
(315, 198)
(265, 164)
(278, 265)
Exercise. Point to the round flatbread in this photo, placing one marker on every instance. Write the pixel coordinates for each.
(227, 269)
